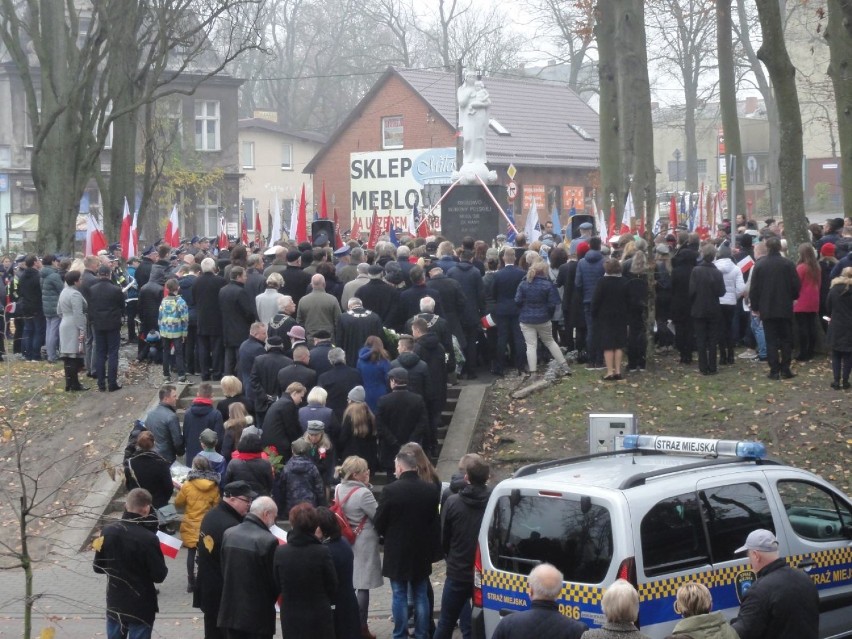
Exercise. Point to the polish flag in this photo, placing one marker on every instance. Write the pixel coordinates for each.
(611, 228)
(323, 206)
(280, 535)
(95, 238)
(170, 546)
(338, 239)
(172, 237)
(375, 230)
(124, 238)
(258, 230)
(355, 233)
(223, 235)
(302, 220)
(628, 215)
(673, 215)
(133, 247)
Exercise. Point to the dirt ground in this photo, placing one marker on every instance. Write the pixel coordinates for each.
(802, 421)
(64, 442)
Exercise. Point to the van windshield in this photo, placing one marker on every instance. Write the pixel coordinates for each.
(547, 530)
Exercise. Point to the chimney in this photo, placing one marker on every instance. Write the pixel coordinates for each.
(750, 105)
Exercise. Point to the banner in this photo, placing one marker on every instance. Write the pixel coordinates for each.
(573, 196)
(534, 193)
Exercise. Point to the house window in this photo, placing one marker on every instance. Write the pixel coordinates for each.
(207, 125)
(207, 210)
(287, 157)
(5, 156)
(170, 120)
(247, 150)
(392, 132)
(249, 207)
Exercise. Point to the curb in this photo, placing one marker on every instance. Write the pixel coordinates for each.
(459, 437)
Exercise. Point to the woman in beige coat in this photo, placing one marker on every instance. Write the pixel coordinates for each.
(360, 509)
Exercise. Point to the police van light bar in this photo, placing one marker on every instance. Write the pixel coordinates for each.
(696, 446)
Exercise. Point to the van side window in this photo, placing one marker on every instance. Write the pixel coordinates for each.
(815, 513)
(673, 536)
(539, 530)
(732, 512)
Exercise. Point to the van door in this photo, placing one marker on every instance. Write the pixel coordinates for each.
(818, 525)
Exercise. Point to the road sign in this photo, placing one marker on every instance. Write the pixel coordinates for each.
(511, 171)
(511, 191)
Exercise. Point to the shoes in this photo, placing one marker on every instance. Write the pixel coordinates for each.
(117, 387)
(775, 376)
(167, 379)
(749, 354)
(617, 377)
(102, 389)
(788, 374)
(564, 369)
(182, 379)
(610, 378)
(74, 389)
(846, 384)
(836, 385)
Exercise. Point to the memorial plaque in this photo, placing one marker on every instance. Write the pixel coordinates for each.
(468, 210)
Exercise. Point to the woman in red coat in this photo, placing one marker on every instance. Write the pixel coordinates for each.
(806, 307)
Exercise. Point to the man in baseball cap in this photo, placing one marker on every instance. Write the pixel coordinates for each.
(783, 602)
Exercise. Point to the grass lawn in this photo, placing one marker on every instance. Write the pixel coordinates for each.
(802, 421)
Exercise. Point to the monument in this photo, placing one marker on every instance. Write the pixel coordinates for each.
(467, 208)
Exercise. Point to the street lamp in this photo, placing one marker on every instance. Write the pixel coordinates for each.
(677, 156)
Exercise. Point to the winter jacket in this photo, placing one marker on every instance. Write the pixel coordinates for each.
(317, 311)
(106, 306)
(173, 318)
(72, 309)
(355, 326)
(318, 359)
(608, 630)
(337, 382)
(148, 306)
(267, 304)
(733, 278)
(300, 482)
(51, 288)
(360, 511)
(238, 313)
(455, 306)
(249, 350)
(320, 413)
(264, 377)
(470, 279)
(419, 379)
(375, 377)
(400, 418)
(200, 416)
(773, 287)
(429, 348)
(808, 300)
(683, 261)
(250, 589)
(706, 287)
(537, 300)
(297, 372)
(281, 425)
(163, 423)
(209, 580)
(29, 292)
(205, 293)
(781, 604)
(186, 284)
(589, 270)
(253, 468)
(839, 308)
(543, 619)
(461, 517)
(198, 494)
(129, 554)
(306, 577)
(712, 625)
(150, 471)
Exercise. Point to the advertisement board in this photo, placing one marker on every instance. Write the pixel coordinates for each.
(573, 196)
(536, 191)
(392, 182)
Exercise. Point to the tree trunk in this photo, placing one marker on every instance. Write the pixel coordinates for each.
(612, 181)
(691, 154)
(773, 53)
(840, 48)
(728, 102)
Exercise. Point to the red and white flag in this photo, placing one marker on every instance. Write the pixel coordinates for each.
(628, 215)
(302, 220)
(745, 264)
(170, 546)
(133, 247)
(172, 236)
(125, 236)
(95, 238)
(280, 534)
(223, 235)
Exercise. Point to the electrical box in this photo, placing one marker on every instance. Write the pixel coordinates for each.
(606, 431)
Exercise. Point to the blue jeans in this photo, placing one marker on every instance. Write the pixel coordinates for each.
(399, 608)
(455, 604)
(52, 338)
(759, 337)
(130, 630)
(33, 337)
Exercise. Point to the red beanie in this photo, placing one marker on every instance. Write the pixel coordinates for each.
(582, 249)
(827, 250)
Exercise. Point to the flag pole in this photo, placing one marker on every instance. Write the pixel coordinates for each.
(497, 204)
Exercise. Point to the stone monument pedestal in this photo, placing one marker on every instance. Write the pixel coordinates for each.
(468, 211)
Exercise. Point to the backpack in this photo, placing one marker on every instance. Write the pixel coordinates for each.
(345, 529)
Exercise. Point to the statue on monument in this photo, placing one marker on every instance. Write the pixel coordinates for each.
(474, 101)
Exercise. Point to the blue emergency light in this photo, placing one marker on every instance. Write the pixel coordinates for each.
(695, 446)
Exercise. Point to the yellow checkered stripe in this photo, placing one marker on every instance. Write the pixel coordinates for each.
(668, 587)
(826, 559)
(575, 593)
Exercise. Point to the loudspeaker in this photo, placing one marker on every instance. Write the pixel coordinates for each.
(577, 220)
(324, 227)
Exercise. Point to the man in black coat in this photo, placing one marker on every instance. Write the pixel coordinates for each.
(379, 296)
(400, 418)
(31, 309)
(506, 312)
(298, 371)
(773, 287)
(205, 291)
(249, 587)
(783, 603)
(129, 554)
(438, 325)
(200, 416)
(454, 304)
(252, 348)
(338, 381)
(236, 499)
(296, 281)
(429, 349)
(419, 377)
(148, 308)
(318, 357)
(355, 326)
(473, 294)
(238, 312)
(683, 261)
(461, 516)
(405, 518)
(264, 376)
(706, 286)
(409, 299)
(281, 424)
(106, 310)
(543, 618)
(143, 271)
(255, 282)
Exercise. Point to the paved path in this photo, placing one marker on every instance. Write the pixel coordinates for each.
(70, 597)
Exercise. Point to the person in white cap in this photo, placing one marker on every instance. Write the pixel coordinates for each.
(783, 603)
